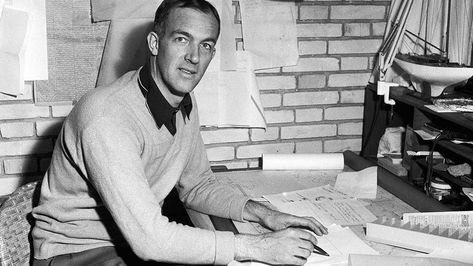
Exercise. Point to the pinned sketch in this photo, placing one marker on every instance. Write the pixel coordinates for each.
(230, 91)
(123, 9)
(269, 32)
(14, 26)
(36, 50)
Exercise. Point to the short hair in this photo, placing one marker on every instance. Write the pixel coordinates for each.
(163, 11)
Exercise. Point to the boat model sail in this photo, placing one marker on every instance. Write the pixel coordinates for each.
(430, 41)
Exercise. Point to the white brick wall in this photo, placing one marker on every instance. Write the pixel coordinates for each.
(314, 106)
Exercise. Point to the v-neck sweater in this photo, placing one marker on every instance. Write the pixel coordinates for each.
(110, 171)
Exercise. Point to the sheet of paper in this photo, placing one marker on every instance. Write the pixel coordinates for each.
(123, 9)
(463, 255)
(125, 48)
(230, 91)
(14, 24)
(269, 32)
(306, 161)
(461, 220)
(389, 260)
(257, 183)
(339, 243)
(362, 184)
(326, 204)
(36, 50)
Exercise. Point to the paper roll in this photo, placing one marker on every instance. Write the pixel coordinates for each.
(319, 161)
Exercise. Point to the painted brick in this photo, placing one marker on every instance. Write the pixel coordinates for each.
(319, 30)
(20, 166)
(357, 12)
(61, 110)
(355, 128)
(225, 135)
(354, 63)
(48, 128)
(255, 151)
(25, 147)
(354, 46)
(341, 145)
(259, 134)
(220, 153)
(339, 113)
(312, 47)
(9, 184)
(357, 29)
(314, 64)
(281, 116)
(352, 96)
(309, 115)
(312, 81)
(313, 12)
(379, 28)
(348, 80)
(309, 147)
(271, 100)
(309, 131)
(17, 130)
(276, 82)
(27, 95)
(310, 98)
(21, 111)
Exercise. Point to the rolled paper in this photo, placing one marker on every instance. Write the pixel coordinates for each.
(318, 161)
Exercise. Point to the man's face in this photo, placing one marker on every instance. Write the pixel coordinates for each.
(185, 50)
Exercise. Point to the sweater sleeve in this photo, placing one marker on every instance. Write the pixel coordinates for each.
(200, 190)
(114, 168)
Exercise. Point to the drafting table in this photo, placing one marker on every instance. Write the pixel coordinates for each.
(386, 204)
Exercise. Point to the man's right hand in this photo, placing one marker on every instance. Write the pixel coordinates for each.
(288, 246)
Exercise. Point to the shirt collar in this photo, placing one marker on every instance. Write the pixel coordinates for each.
(162, 112)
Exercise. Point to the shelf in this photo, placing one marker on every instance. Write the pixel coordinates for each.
(463, 150)
(406, 96)
(444, 175)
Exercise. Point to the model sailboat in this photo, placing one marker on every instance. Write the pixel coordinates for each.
(430, 41)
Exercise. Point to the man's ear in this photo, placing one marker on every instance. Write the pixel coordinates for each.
(153, 42)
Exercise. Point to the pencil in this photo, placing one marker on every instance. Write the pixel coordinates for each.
(320, 251)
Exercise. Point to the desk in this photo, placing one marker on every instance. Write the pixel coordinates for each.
(269, 182)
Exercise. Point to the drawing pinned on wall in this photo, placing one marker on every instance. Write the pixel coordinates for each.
(269, 22)
(14, 24)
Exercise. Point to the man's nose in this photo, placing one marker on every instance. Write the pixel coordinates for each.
(193, 54)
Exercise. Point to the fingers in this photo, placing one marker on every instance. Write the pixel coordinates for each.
(310, 223)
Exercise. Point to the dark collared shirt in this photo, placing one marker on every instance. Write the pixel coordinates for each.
(162, 112)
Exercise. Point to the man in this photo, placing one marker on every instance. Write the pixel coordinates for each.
(125, 146)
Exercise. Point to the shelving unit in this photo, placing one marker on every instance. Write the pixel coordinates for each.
(410, 111)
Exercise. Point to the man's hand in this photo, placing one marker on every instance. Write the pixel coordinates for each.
(290, 243)
(276, 220)
(290, 246)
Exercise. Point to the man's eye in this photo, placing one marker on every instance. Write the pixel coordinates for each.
(181, 39)
(207, 46)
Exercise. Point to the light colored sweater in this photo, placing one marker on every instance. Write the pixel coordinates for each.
(110, 172)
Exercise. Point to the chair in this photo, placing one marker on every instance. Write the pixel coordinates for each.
(16, 222)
